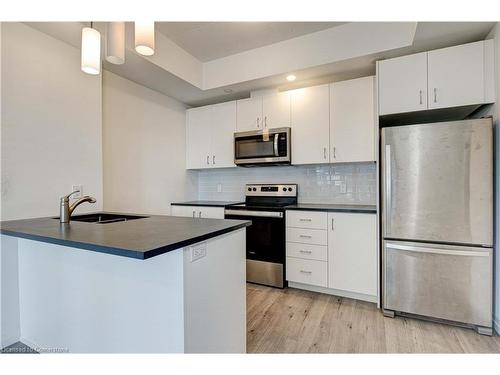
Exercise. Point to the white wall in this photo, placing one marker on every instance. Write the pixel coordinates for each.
(51, 139)
(144, 149)
(495, 34)
(51, 124)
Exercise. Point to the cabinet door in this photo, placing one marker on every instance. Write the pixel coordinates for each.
(198, 135)
(310, 123)
(187, 211)
(210, 212)
(223, 127)
(352, 252)
(249, 114)
(352, 120)
(276, 110)
(402, 84)
(456, 75)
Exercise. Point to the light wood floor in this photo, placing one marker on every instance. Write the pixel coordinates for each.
(298, 321)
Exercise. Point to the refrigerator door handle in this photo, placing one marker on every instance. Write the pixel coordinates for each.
(433, 250)
(388, 197)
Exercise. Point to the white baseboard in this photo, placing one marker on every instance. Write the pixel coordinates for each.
(334, 292)
(8, 341)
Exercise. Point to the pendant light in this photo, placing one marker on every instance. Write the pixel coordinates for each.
(91, 50)
(115, 42)
(145, 38)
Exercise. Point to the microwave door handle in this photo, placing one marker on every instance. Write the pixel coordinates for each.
(276, 152)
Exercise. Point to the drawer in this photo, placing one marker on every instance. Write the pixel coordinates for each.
(306, 251)
(307, 236)
(306, 271)
(307, 219)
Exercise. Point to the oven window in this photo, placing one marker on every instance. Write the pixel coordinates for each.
(265, 238)
(254, 147)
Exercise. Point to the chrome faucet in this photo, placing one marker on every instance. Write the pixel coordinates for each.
(66, 210)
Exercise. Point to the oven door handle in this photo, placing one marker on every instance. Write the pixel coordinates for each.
(276, 151)
(254, 213)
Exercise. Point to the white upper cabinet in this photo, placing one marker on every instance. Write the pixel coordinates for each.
(444, 78)
(210, 136)
(222, 137)
(310, 117)
(352, 252)
(352, 120)
(198, 134)
(456, 76)
(249, 114)
(402, 84)
(276, 110)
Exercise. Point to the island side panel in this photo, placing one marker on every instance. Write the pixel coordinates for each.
(87, 302)
(9, 292)
(215, 295)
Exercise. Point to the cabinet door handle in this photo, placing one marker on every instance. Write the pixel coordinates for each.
(435, 95)
(332, 223)
(213, 159)
(304, 236)
(265, 121)
(306, 272)
(324, 153)
(199, 214)
(193, 213)
(334, 152)
(306, 251)
(305, 219)
(258, 126)
(420, 97)
(208, 160)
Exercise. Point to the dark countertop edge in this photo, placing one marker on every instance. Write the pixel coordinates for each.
(334, 209)
(142, 255)
(201, 204)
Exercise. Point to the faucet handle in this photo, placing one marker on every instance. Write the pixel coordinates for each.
(66, 197)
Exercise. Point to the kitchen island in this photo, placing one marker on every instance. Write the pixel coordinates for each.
(155, 284)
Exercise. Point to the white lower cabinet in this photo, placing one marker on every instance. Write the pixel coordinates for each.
(352, 252)
(198, 211)
(336, 251)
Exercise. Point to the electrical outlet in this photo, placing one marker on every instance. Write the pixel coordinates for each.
(198, 252)
(219, 188)
(78, 188)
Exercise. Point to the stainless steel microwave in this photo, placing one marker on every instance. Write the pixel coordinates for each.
(256, 148)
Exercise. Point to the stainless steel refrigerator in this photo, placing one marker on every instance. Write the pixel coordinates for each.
(437, 221)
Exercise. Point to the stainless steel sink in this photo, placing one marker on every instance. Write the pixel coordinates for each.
(104, 218)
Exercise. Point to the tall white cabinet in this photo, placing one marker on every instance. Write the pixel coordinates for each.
(311, 125)
(352, 120)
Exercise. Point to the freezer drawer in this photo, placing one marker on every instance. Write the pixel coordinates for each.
(439, 281)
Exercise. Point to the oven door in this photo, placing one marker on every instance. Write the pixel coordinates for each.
(257, 148)
(265, 240)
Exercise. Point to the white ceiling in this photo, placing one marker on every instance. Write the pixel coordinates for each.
(212, 40)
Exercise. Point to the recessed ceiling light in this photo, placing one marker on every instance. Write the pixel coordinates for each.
(290, 78)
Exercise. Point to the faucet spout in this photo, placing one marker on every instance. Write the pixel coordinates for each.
(66, 210)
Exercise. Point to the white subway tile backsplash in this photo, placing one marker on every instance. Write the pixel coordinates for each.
(350, 183)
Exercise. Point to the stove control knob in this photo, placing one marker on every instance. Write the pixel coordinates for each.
(289, 189)
(249, 189)
(284, 189)
(254, 189)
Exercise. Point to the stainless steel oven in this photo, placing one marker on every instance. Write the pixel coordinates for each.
(268, 146)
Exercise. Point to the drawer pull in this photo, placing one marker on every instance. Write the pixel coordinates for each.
(306, 272)
(305, 219)
(306, 251)
(304, 236)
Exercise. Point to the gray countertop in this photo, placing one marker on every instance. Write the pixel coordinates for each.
(142, 239)
(206, 203)
(333, 207)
